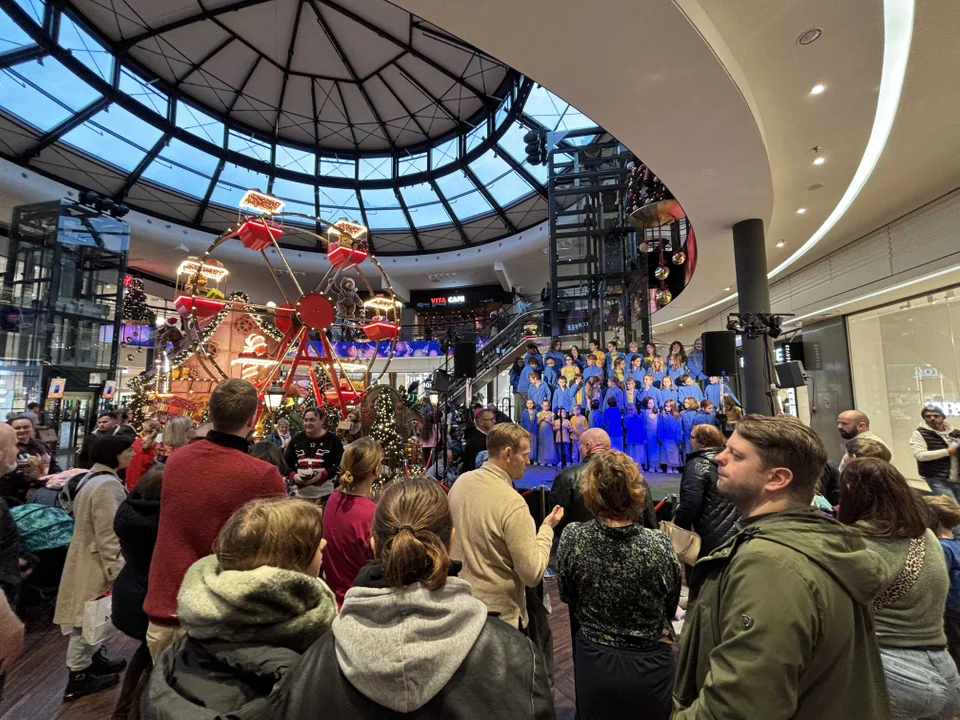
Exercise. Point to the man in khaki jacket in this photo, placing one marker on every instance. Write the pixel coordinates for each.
(496, 538)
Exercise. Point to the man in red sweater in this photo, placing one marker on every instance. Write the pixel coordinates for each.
(203, 484)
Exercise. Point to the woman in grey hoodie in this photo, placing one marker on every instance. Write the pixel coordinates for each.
(247, 612)
(411, 641)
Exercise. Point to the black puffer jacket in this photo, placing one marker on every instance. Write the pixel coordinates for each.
(702, 508)
(135, 524)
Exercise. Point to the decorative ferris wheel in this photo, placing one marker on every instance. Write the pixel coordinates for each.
(306, 325)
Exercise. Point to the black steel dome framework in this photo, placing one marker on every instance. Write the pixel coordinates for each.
(471, 112)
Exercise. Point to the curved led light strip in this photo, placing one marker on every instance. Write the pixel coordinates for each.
(897, 33)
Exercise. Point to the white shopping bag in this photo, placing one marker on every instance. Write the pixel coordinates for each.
(96, 620)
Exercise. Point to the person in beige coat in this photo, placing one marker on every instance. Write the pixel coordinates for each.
(496, 538)
(93, 563)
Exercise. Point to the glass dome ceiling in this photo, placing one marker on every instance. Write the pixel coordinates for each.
(354, 109)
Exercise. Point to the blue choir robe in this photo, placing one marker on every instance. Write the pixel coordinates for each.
(713, 394)
(695, 365)
(550, 376)
(631, 355)
(686, 419)
(613, 392)
(611, 359)
(523, 384)
(669, 394)
(580, 362)
(558, 357)
(651, 392)
(635, 431)
(637, 374)
(702, 418)
(670, 429)
(631, 397)
(528, 421)
(675, 373)
(657, 376)
(694, 391)
(564, 398)
(539, 393)
(595, 419)
(613, 424)
(536, 356)
(590, 371)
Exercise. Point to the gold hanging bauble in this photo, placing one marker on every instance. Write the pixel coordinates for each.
(679, 257)
(662, 272)
(643, 247)
(664, 297)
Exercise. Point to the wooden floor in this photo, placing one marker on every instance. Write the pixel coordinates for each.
(35, 684)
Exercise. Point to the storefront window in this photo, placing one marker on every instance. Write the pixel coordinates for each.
(904, 356)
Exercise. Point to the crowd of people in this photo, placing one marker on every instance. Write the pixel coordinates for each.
(646, 404)
(248, 594)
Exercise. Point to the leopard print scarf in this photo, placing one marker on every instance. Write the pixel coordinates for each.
(906, 578)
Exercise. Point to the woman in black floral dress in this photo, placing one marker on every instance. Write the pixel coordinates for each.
(622, 582)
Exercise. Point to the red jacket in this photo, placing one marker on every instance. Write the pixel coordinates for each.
(203, 484)
(142, 461)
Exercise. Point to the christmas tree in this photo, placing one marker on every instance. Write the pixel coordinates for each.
(139, 401)
(135, 308)
(384, 429)
(643, 188)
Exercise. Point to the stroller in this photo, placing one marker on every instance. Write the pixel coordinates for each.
(45, 534)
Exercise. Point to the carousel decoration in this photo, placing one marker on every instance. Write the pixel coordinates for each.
(301, 327)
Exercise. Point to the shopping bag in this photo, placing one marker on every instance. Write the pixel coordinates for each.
(686, 543)
(97, 626)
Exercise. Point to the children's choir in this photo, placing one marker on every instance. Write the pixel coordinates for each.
(648, 405)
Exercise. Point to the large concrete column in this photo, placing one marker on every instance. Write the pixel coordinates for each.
(750, 256)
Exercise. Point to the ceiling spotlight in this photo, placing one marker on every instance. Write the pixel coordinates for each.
(781, 243)
(680, 325)
(810, 36)
(801, 211)
(817, 89)
(88, 197)
(120, 210)
(727, 289)
(818, 160)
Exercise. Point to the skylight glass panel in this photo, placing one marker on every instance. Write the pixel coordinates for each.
(509, 188)
(33, 8)
(12, 35)
(249, 146)
(143, 92)
(199, 123)
(244, 177)
(444, 153)
(503, 110)
(182, 167)
(414, 164)
(296, 160)
(383, 210)
(334, 167)
(512, 142)
(115, 136)
(380, 168)
(228, 194)
(336, 203)
(545, 107)
(477, 136)
(488, 167)
(62, 92)
(464, 198)
(424, 205)
(85, 49)
(300, 192)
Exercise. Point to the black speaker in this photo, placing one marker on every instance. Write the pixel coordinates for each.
(441, 381)
(719, 353)
(465, 359)
(790, 374)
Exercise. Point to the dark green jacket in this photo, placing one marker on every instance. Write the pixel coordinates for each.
(779, 626)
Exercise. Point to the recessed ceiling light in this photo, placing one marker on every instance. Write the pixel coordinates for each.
(801, 211)
(810, 36)
(818, 160)
(817, 89)
(727, 289)
(680, 325)
(781, 243)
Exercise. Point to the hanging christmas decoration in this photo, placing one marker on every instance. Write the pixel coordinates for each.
(662, 272)
(649, 202)
(679, 257)
(663, 297)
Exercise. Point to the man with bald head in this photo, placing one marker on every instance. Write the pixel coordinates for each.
(565, 491)
(855, 424)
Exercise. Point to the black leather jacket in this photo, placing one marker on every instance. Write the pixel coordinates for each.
(502, 676)
(702, 508)
(565, 493)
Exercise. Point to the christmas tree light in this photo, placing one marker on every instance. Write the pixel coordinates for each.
(135, 308)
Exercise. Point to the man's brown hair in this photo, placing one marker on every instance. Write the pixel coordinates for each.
(784, 441)
(708, 436)
(862, 447)
(503, 436)
(280, 532)
(611, 487)
(945, 509)
(232, 403)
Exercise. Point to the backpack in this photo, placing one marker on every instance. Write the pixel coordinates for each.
(42, 527)
(68, 494)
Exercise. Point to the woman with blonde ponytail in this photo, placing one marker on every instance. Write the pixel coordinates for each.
(348, 517)
(145, 448)
(411, 638)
